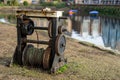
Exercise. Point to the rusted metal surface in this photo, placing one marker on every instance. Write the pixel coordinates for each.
(28, 27)
(61, 29)
(38, 42)
(25, 55)
(58, 62)
(41, 28)
(52, 57)
(50, 29)
(46, 58)
(17, 57)
(43, 13)
(60, 44)
(32, 56)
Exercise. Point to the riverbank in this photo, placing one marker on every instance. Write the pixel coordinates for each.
(104, 10)
(8, 9)
(13, 8)
(84, 62)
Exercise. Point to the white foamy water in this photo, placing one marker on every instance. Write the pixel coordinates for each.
(3, 20)
(97, 40)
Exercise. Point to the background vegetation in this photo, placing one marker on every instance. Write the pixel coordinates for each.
(56, 3)
(103, 10)
(25, 3)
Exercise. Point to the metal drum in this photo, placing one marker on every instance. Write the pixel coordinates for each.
(32, 56)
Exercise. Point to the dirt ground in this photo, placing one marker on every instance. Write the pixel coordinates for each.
(84, 63)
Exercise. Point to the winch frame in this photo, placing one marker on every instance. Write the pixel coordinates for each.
(56, 61)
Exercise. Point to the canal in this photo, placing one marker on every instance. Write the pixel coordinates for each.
(101, 31)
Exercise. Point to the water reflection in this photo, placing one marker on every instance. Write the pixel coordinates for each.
(7, 18)
(111, 32)
(3, 20)
(100, 31)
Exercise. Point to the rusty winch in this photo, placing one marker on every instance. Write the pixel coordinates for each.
(51, 58)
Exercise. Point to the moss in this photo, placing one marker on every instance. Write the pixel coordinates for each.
(62, 69)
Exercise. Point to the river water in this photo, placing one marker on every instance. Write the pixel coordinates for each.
(101, 31)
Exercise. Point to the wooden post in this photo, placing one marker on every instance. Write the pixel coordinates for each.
(100, 27)
(90, 27)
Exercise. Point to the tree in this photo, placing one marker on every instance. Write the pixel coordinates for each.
(9, 3)
(25, 3)
(14, 2)
(2, 1)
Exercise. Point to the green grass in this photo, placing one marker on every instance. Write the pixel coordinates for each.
(62, 69)
(84, 62)
(1, 4)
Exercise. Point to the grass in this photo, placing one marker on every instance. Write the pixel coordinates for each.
(62, 69)
(84, 62)
(1, 4)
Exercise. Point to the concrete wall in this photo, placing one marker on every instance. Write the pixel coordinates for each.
(78, 1)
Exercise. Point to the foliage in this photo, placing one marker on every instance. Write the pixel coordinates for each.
(57, 4)
(9, 3)
(47, 4)
(12, 3)
(60, 5)
(62, 69)
(104, 10)
(1, 4)
(1, 1)
(25, 3)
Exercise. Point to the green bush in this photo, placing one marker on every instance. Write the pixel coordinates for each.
(45, 4)
(60, 5)
(105, 10)
(56, 4)
(14, 3)
(1, 4)
(9, 3)
(25, 3)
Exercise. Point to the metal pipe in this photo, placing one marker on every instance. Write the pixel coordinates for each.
(46, 17)
(38, 42)
(64, 30)
(41, 28)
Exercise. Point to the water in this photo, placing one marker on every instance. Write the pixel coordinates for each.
(3, 20)
(101, 31)
(7, 18)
